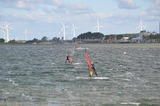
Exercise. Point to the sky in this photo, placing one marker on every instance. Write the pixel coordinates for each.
(44, 17)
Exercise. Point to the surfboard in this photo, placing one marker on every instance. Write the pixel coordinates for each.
(80, 48)
(98, 78)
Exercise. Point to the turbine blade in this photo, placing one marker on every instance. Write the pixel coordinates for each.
(138, 27)
(95, 27)
(62, 24)
(61, 31)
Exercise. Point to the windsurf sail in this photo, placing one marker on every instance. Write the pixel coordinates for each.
(74, 49)
(73, 52)
(70, 55)
(89, 64)
(70, 60)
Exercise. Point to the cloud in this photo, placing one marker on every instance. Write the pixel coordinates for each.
(152, 13)
(58, 2)
(79, 8)
(155, 8)
(157, 2)
(29, 5)
(68, 9)
(103, 15)
(17, 4)
(48, 6)
(39, 11)
(24, 5)
(127, 4)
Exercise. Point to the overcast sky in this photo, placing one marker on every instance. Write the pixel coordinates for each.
(44, 17)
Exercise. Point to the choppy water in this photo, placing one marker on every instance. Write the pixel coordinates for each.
(38, 75)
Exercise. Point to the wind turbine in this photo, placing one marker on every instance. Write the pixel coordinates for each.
(26, 34)
(98, 26)
(6, 31)
(74, 30)
(141, 26)
(63, 30)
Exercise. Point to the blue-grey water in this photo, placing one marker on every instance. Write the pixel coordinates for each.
(37, 75)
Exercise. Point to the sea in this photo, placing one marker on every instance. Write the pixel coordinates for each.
(37, 75)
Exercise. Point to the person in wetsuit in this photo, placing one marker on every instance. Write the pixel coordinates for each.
(94, 70)
(67, 58)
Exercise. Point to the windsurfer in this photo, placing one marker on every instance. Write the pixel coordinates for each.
(68, 59)
(93, 70)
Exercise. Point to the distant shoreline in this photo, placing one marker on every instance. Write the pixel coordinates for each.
(46, 43)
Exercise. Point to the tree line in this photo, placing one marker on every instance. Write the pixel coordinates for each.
(34, 40)
(97, 35)
(90, 35)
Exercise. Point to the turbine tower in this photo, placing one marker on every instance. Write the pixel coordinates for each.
(74, 30)
(141, 26)
(6, 31)
(26, 34)
(63, 30)
(98, 26)
(159, 27)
